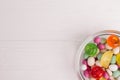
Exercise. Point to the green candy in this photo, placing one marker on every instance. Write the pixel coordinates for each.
(116, 74)
(91, 49)
(99, 56)
(113, 60)
(85, 56)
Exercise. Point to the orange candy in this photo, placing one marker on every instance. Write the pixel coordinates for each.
(113, 41)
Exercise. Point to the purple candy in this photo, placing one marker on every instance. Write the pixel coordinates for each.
(84, 62)
(86, 73)
(97, 40)
(89, 69)
(101, 46)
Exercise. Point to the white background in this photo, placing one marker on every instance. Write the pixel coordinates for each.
(39, 38)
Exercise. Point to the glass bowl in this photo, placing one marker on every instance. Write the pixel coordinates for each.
(79, 56)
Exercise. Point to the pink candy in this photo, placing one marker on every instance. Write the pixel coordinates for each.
(97, 40)
(85, 62)
(101, 46)
(86, 73)
(106, 75)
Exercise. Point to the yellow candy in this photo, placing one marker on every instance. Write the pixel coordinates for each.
(118, 59)
(106, 58)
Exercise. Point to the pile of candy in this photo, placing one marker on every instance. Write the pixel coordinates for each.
(101, 59)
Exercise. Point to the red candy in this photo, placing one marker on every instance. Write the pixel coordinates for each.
(97, 72)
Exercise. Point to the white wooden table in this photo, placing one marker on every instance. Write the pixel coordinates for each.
(39, 38)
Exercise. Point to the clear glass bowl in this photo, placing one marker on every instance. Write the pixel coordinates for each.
(79, 56)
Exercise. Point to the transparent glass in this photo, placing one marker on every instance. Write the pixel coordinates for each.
(79, 56)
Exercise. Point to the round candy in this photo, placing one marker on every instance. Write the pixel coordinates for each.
(98, 63)
(116, 74)
(113, 67)
(89, 69)
(91, 49)
(97, 40)
(112, 78)
(108, 47)
(113, 60)
(103, 40)
(113, 41)
(116, 50)
(86, 74)
(84, 62)
(106, 58)
(109, 72)
(91, 61)
(97, 72)
(101, 46)
(106, 76)
(118, 59)
(83, 67)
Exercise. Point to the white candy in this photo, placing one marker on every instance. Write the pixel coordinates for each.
(113, 67)
(109, 72)
(98, 63)
(83, 67)
(116, 50)
(112, 78)
(91, 61)
(118, 78)
(108, 47)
